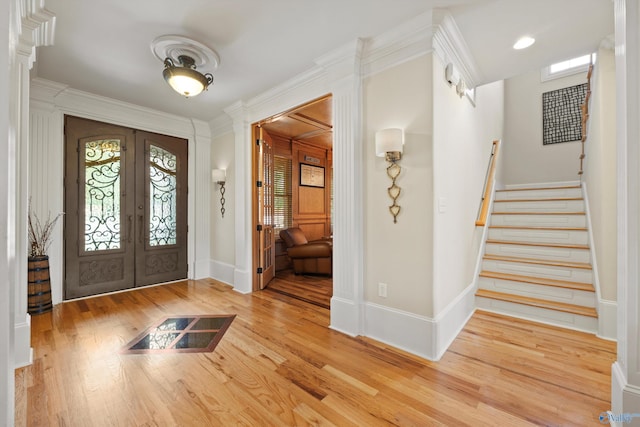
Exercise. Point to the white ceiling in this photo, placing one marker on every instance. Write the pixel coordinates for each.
(103, 46)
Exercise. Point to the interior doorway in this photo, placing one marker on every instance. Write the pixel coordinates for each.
(293, 172)
(126, 208)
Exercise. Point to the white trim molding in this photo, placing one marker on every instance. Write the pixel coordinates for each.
(450, 46)
(421, 335)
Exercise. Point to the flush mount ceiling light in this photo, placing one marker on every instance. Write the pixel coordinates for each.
(524, 42)
(181, 56)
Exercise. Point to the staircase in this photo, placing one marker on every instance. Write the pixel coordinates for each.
(537, 258)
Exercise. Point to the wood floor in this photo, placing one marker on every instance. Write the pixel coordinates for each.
(279, 364)
(315, 289)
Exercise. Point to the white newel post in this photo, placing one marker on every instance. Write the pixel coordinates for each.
(625, 381)
(345, 79)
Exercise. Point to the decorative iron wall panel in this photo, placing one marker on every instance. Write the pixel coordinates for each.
(561, 114)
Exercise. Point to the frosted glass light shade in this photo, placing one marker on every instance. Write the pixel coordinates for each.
(389, 140)
(218, 175)
(186, 85)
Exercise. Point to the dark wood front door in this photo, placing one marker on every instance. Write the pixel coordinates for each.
(125, 208)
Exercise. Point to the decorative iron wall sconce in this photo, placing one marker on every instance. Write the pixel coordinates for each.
(219, 176)
(389, 144)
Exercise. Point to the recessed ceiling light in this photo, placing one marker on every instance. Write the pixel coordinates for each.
(524, 42)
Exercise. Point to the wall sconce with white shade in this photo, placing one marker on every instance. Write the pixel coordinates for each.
(389, 144)
(219, 176)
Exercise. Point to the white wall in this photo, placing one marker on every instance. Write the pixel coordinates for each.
(525, 159)
(222, 239)
(400, 254)
(462, 140)
(600, 171)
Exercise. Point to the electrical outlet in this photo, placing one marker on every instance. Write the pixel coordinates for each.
(382, 290)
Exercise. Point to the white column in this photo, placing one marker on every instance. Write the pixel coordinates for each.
(345, 77)
(36, 30)
(243, 273)
(199, 158)
(625, 397)
(7, 143)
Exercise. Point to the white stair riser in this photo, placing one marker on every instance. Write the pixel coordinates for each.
(568, 320)
(548, 293)
(535, 270)
(540, 206)
(534, 220)
(540, 252)
(538, 194)
(574, 237)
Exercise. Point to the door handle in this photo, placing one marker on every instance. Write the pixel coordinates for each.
(140, 218)
(130, 225)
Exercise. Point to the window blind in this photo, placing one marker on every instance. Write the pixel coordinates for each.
(282, 210)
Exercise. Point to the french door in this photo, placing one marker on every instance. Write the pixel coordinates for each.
(125, 208)
(266, 238)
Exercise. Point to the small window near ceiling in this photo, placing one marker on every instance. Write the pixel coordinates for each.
(568, 67)
(282, 193)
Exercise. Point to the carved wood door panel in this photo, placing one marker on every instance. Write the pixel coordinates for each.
(126, 208)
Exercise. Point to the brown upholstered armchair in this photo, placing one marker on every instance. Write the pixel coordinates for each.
(307, 257)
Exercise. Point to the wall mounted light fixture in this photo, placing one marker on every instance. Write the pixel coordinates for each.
(389, 144)
(219, 176)
(454, 78)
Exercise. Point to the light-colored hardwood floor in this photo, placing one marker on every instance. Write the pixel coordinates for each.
(280, 365)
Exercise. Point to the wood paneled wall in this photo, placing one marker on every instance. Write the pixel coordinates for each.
(311, 205)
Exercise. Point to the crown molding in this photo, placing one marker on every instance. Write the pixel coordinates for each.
(96, 107)
(450, 46)
(403, 43)
(36, 28)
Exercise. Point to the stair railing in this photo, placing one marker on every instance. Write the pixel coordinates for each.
(489, 179)
(585, 117)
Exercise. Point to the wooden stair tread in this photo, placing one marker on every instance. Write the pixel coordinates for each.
(538, 213)
(536, 302)
(539, 188)
(550, 199)
(578, 286)
(537, 261)
(538, 227)
(551, 245)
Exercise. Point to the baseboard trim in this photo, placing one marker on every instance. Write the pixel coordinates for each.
(407, 331)
(22, 348)
(625, 400)
(201, 270)
(607, 320)
(420, 335)
(450, 322)
(345, 316)
(242, 281)
(221, 271)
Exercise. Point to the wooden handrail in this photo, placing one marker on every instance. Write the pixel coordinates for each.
(488, 185)
(585, 117)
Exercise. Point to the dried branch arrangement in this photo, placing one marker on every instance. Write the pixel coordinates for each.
(40, 233)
